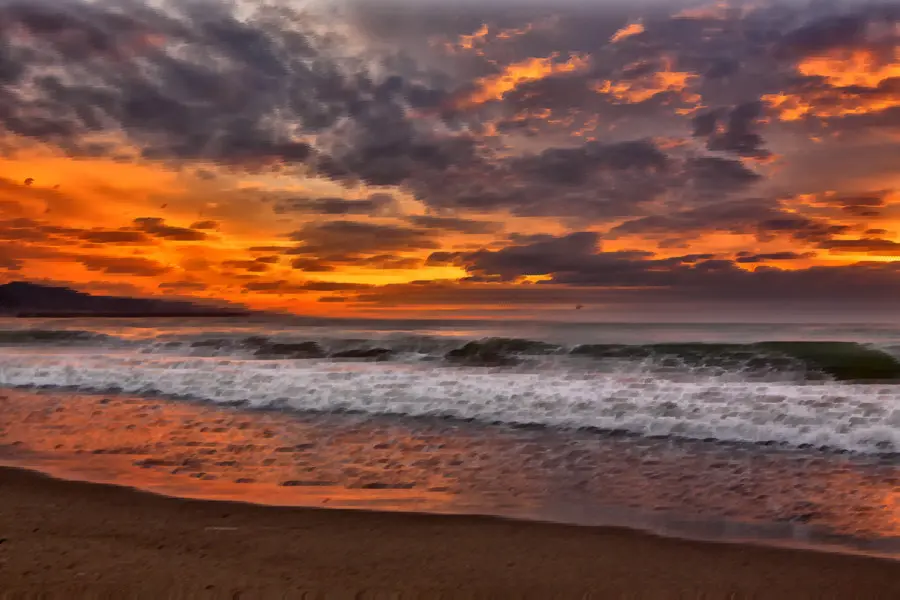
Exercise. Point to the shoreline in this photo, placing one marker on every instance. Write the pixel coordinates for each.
(393, 501)
(189, 450)
(69, 537)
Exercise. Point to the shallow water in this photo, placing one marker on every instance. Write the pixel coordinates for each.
(683, 488)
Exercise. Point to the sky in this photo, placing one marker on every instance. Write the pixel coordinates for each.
(644, 159)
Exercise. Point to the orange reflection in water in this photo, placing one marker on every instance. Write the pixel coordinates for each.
(352, 461)
(190, 450)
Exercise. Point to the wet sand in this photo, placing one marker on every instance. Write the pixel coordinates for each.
(74, 539)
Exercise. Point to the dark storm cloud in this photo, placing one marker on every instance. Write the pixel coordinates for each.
(334, 262)
(471, 294)
(373, 205)
(858, 205)
(877, 121)
(236, 90)
(559, 256)
(333, 286)
(136, 266)
(386, 149)
(244, 88)
(389, 261)
(205, 225)
(268, 248)
(255, 89)
(116, 237)
(455, 224)
(312, 265)
(282, 286)
(358, 238)
(876, 231)
(413, 21)
(570, 259)
(396, 102)
(846, 30)
(157, 227)
(28, 230)
(539, 258)
(862, 200)
(764, 218)
(824, 34)
(857, 285)
(710, 172)
(706, 123)
(750, 258)
(873, 246)
(9, 264)
(573, 166)
(182, 286)
(575, 260)
(274, 287)
(271, 75)
(39, 231)
(251, 266)
(687, 259)
(737, 134)
(16, 252)
(799, 228)
(74, 29)
(590, 180)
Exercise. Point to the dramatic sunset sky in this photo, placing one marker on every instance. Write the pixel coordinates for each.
(457, 158)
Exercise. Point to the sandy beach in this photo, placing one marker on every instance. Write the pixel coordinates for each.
(70, 539)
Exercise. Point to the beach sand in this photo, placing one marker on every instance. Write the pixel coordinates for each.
(74, 539)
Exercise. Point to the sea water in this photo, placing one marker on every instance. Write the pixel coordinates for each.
(780, 433)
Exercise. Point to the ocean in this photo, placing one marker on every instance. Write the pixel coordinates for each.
(774, 433)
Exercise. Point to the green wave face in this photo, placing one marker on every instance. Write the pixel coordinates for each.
(816, 360)
(844, 361)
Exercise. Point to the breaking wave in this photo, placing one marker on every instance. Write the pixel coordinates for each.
(632, 399)
(835, 395)
(801, 360)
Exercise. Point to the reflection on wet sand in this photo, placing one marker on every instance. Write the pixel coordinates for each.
(355, 461)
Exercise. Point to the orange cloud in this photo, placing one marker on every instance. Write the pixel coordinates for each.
(851, 67)
(856, 82)
(508, 34)
(717, 11)
(645, 87)
(827, 104)
(628, 31)
(495, 87)
(470, 43)
(477, 40)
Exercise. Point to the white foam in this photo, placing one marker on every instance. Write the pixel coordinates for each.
(859, 418)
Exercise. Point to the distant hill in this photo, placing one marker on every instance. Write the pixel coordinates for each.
(23, 299)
